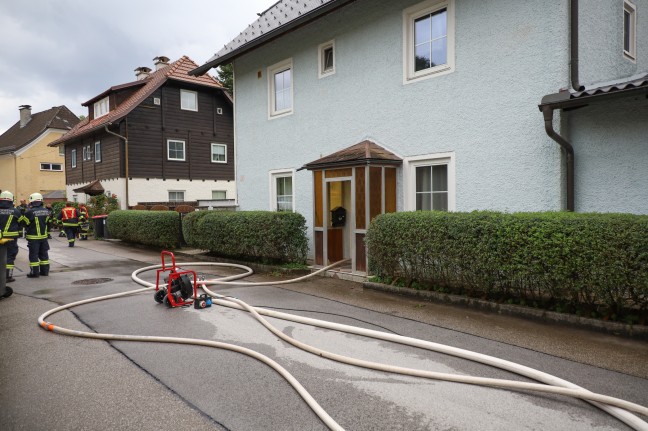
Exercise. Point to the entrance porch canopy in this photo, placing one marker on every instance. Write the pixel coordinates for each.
(350, 188)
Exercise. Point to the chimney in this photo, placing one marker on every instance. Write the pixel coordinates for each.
(160, 62)
(25, 115)
(142, 72)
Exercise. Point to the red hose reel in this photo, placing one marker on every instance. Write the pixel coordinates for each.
(181, 286)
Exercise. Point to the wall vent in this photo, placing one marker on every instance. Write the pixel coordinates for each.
(156, 100)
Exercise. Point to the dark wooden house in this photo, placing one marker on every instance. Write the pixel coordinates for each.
(166, 137)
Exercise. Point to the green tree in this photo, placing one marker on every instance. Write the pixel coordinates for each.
(225, 75)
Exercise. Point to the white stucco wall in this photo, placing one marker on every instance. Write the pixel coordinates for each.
(508, 54)
(157, 190)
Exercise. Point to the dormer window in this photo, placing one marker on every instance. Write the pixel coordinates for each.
(101, 107)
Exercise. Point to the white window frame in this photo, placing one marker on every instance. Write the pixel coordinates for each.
(184, 150)
(273, 176)
(73, 160)
(61, 150)
(409, 16)
(97, 150)
(282, 66)
(631, 9)
(213, 145)
(411, 163)
(183, 106)
(321, 49)
(224, 192)
(101, 107)
(184, 194)
(46, 166)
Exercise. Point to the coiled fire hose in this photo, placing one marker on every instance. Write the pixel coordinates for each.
(614, 406)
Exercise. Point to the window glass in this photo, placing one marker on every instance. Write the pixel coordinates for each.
(219, 194)
(101, 107)
(284, 194)
(188, 100)
(73, 158)
(97, 151)
(61, 150)
(283, 98)
(432, 188)
(430, 40)
(176, 196)
(218, 153)
(176, 150)
(629, 30)
(328, 59)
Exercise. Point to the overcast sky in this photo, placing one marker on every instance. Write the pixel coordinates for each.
(64, 52)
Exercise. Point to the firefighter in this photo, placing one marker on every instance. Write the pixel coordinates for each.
(10, 227)
(84, 223)
(51, 220)
(69, 216)
(36, 219)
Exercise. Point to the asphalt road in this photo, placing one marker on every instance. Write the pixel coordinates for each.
(55, 382)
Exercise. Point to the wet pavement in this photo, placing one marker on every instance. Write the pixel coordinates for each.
(55, 382)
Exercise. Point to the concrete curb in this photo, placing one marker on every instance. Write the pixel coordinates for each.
(615, 328)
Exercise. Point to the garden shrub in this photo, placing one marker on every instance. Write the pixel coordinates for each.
(595, 261)
(269, 237)
(156, 228)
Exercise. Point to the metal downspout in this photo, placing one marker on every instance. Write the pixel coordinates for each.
(547, 112)
(573, 43)
(125, 156)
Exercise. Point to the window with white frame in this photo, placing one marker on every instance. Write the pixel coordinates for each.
(87, 153)
(218, 195)
(280, 88)
(282, 197)
(61, 150)
(176, 195)
(101, 107)
(175, 150)
(430, 183)
(97, 151)
(428, 37)
(219, 153)
(326, 60)
(73, 158)
(629, 30)
(54, 167)
(188, 100)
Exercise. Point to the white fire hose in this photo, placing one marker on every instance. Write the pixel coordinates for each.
(616, 407)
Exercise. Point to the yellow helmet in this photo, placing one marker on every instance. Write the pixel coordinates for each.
(6, 196)
(34, 197)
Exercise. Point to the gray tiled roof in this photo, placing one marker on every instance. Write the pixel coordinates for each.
(58, 117)
(274, 21)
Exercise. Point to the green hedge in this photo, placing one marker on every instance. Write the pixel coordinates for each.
(269, 237)
(599, 260)
(157, 228)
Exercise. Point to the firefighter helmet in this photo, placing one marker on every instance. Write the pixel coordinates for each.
(6, 196)
(34, 197)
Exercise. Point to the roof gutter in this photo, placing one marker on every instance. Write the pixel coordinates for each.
(271, 35)
(547, 110)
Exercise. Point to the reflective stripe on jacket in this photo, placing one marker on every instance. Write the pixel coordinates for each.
(36, 219)
(69, 216)
(9, 217)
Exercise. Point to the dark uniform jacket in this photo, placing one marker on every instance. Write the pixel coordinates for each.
(36, 219)
(9, 217)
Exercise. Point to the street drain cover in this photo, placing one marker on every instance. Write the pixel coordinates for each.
(89, 281)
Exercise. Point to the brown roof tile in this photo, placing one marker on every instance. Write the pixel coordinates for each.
(365, 153)
(175, 71)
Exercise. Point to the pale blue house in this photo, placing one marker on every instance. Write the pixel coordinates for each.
(347, 109)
